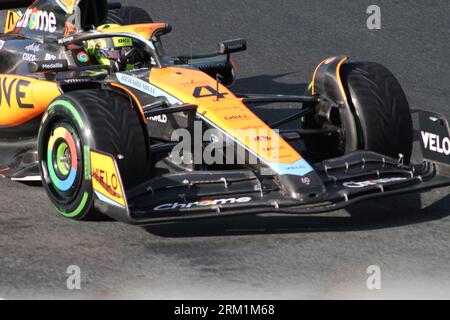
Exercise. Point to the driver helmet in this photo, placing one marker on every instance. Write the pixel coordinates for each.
(109, 50)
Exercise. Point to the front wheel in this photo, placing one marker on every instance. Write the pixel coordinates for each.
(76, 123)
(381, 112)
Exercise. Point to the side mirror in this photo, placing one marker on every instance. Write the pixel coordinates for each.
(231, 46)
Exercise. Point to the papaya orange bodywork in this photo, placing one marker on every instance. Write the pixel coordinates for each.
(145, 30)
(24, 98)
(228, 113)
(338, 73)
(314, 77)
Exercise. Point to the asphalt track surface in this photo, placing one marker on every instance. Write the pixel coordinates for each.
(259, 257)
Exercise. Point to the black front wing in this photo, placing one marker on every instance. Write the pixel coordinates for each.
(347, 180)
(217, 194)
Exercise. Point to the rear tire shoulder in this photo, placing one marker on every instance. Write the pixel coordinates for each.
(128, 15)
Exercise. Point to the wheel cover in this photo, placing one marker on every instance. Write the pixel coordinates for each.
(63, 159)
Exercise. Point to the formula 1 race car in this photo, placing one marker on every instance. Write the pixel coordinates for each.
(93, 107)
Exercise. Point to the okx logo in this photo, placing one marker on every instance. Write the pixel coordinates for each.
(35, 19)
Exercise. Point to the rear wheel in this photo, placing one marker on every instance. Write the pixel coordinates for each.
(75, 124)
(380, 109)
(128, 15)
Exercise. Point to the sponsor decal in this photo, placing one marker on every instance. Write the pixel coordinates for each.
(123, 42)
(373, 182)
(238, 117)
(39, 20)
(201, 203)
(294, 168)
(262, 138)
(15, 93)
(436, 143)
(52, 66)
(11, 20)
(305, 180)
(22, 98)
(281, 156)
(159, 118)
(109, 182)
(226, 108)
(145, 87)
(106, 180)
(34, 47)
(30, 57)
(238, 45)
(434, 137)
(272, 148)
(49, 56)
(31, 50)
(65, 40)
(298, 168)
(251, 128)
(82, 57)
(193, 83)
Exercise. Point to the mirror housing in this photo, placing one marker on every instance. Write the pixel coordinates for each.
(232, 46)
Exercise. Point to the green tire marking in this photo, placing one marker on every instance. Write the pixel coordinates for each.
(78, 210)
(359, 130)
(87, 163)
(72, 110)
(50, 168)
(59, 154)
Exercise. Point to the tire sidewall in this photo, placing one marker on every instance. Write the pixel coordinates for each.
(129, 15)
(65, 109)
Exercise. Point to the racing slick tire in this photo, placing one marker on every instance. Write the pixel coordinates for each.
(381, 111)
(128, 15)
(76, 123)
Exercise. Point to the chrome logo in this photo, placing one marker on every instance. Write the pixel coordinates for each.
(35, 19)
(201, 203)
(82, 57)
